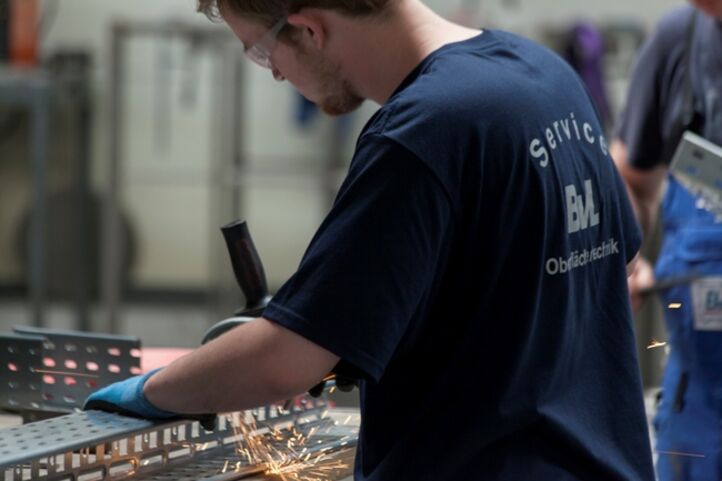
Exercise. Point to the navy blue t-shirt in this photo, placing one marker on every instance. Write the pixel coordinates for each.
(656, 92)
(472, 271)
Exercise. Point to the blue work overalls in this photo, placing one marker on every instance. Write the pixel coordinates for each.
(689, 419)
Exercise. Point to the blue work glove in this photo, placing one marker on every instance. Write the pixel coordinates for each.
(127, 398)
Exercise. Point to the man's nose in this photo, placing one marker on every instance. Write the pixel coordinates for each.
(278, 75)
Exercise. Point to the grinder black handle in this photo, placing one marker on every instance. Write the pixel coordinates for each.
(247, 267)
(250, 277)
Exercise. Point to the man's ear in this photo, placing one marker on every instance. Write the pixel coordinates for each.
(311, 23)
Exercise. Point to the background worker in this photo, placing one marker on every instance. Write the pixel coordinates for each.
(474, 261)
(677, 86)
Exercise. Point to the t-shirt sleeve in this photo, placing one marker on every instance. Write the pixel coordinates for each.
(640, 126)
(373, 260)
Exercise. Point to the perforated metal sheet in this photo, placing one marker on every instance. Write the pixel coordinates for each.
(55, 371)
(20, 356)
(75, 364)
(64, 434)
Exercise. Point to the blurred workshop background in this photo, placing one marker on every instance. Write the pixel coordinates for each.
(131, 130)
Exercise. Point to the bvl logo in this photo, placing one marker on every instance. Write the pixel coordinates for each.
(581, 213)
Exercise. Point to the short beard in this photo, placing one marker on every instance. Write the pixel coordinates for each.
(342, 102)
(340, 97)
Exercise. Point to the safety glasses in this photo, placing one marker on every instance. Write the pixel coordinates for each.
(260, 52)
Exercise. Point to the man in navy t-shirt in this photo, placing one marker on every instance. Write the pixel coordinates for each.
(472, 271)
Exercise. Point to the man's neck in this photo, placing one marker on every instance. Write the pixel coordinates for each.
(379, 55)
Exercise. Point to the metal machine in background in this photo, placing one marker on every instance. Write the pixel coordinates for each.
(226, 132)
(56, 234)
(31, 90)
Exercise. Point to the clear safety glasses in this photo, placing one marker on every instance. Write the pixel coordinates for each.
(260, 52)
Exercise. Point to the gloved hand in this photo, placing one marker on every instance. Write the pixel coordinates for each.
(127, 398)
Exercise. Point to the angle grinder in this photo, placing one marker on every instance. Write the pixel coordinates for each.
(250, 276)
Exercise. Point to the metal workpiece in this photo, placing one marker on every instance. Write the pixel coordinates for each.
(47, 372)
(57, 444)
(20, 358)
(340, 461)
(98, 446)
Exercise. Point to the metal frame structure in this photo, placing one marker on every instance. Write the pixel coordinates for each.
(38, 90)
(31, 89)
(229, 118)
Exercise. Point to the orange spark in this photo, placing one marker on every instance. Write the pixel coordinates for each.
(655, 344)
(676, 453)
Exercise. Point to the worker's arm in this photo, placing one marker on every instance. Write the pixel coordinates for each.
(252, 365)
(632, 265)
(645, 189)
(643, 186)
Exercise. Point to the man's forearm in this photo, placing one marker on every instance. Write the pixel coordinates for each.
(644, 187)
(252, 365)
(646, 208)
